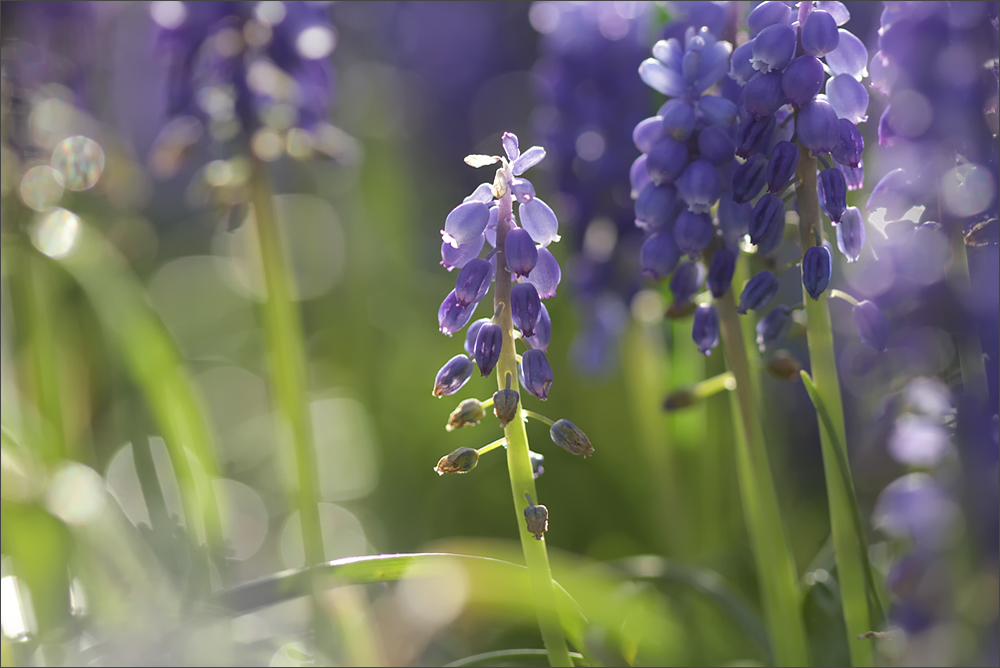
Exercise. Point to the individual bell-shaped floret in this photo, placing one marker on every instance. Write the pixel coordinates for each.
(489, 342)
(472, 333)
(452, 376)
(546, 274)
(763, 95)
(850, 56)
(734, 219)
(774, 47)
(536, 519)
(465, 222)
(740, 68)
(536, 374)
(647, 133)
(802, 80)
(817, 127)
(758, 291)
(720, 271)
(457, 258)
(848, 97)
(851, 234)
(767, 14)
(510, 146)
(539, 221)
(767, 224)
(716, 145)
(525, 307)
(693, 232)
(522, 190)
(872, 326)
(659, 254)
(749, 178)
(678, 119)
(462, 460)
(473, 282)
(819, 33)
(686, 281)
(817, 265)
(699, 186)
(571, 438)
(849, 149)
(773, 327)
(666, 160)
(657, 206)
(705, 330)
(717, 110)
(453, 315)
(832, 187)
(638, 176)
(781, 166)
(855, 176)
(520, 252)
(754, 135)
(468, 414)
(505, 404)
(543, 331)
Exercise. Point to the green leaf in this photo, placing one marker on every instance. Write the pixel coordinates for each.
(493, 658)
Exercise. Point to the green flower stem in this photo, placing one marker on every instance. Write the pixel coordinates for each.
(539, 417)
(846, 541)
(840, 294)
(492, 446)
(714, 385)
(775, 565)
(970, 348)
(522, 481)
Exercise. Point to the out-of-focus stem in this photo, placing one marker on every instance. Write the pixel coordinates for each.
(522, 480)
(970, 348)
(41, 317)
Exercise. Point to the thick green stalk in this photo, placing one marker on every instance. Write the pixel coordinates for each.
(775, 564)
(846, 542)
(522, 481)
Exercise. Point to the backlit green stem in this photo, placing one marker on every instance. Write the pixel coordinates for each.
(970, 348)
(522, 480)
(846, 541)
(538, 416)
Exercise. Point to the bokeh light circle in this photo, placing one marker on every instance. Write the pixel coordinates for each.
(57, 233)
(41, 188)
(80, 160)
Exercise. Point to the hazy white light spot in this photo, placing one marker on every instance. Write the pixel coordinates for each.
(41, 188)
(911, 113)
(600, 238)
(544, 17)
(315, 42)
(168, 14)
(244, 518)
(345, 448)
(76, 494)
(270, 13)
(80, 160)
(647, 307)
(218, 173)
(433, 600)
(590, 145)
(343, 536)
(228, 42)
(57, 233)
(267, 144)
(967, 190)
(11, 615)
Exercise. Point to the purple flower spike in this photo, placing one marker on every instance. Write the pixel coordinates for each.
(850, 56)
(818, 128)
(758, 291)
(699, 186)
(647, 133)
(525, 307)
(748, 179)
(539, 221)
(453, 375)
(767, 224)
(832, 187)
(873, 328)
(848, 151)
(773, 327)
(453, 315)
(472, 333)
(693, 232)
(473, 281)
(638, 176)
(465, 222)
(510, 146)
(659, 254)
(817, 265)
(520, 251)
(851, 234)
(489, 341)
(720, 271)
(536, 374)
(452, 257)
(819, 33)
(656, 206)
(848, 97)
(522, 190)
(717, 110)
(527, 160)
(774, 47)
(767, 14)
(763, 95)
(802, 80)
(546, 274)
(705, 330)
(686, 281)
(678, 119)
(543, 331)
(781, 167)
(666, 160)
(754, 135)
(716, 145)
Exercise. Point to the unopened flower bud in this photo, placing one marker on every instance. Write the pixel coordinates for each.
(720, 271)
(802, 80)
(659, 254)
(693, 232)
(781, 167)
(686, 281)
(851, 234)
(817, 265)
(680, 398)
(525, 307)
(754, 135)
(783, 366)
(749, 178)
(505, 404)
(472, 333)
(570, 438)
(489, 342)
(536, 373)
(773, 327)
(818, 127)
(473, 281)
(758, 291)
(520, 251)
(705, 330)
(537, 519)
(767, 224)
(462, 460)
(851, 145)
(819, 33)
(453, 375)
(872, 326)
(468, 414)
(832, 191)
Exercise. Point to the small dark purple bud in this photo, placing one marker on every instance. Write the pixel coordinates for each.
(489, 342)
(817, 265)
(452, 258)
(763, 95)
(472, 333)
(705, 330)
(453, 315)
(754, 135)
(699, 186)
(522, 189)
(819, 33)
(802, 80)
(693, 232)
(718, 110)
(783, 366)
(767, 14)
(720, 271)
(462, 460)
(773, 327)
(767, 224)
(520, 252)
(832, 187)
(571, 438)
(536, 464)
(647, 133)
(468, 414)
(666, 160)
(873, 328)
(453, 375)
(851, 145)
(546, 274)
(818, 127)
(716, 145)
(537, 520)
(505, 404)
(659, 254)
(536, 373)
(678, 119)
(748, 179)
(525, 307)
(656, 206)
(758, 291)
(543, 331)
(773, 48)
(686, 281)
(851, 234)
(510, 146)
(539, 221)
(781, 167)
(473, 282)
(465, 222)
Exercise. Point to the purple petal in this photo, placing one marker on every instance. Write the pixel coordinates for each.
(539, 221)
(546, 274)
(835, 9)
(848, 97)
(527, 160)
(647, 133)
(718, 110)
(543, 332)
(452, 257)
(850, 56)
(453, 315)
(510, 146)
(767, 14)
(819, 33)
(660, 78)
(465, 222)
(483, 193)
(773, 48)
(639, 176)
(817, 127)
(669, 52)
(740, 69)
(523, 190)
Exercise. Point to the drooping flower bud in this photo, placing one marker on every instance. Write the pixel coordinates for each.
(666, 160)
(767, 14)
(472, 333)
(686, 281)
(872, 326)
(754, 135)
(638, 176)
(659, 254)
(505, 404)
(570, 438)
(734, 219)
(452, 376)
(716, 145)
(705, 330)
(848, 97)
(456, 258)
(656, 206)
(489, 342)
(767, 224)
(699, 186)
(848, 151)
(781, 166)
(758, 291)
(718, 110)
(678, 119)
(453, 315)
(740, 69)
(748, 179)
(520, 252)
(462, 460)
(720, 271)
(647, 133)
(536, 518)
(802, 80)
(817, 265)
(523, 190)
(465, 222)
(783, 366)
(819, 33)
(546, 274)
(473, 281)
(818, 127)
(543, 331)
(773, 327)
(832, 191)
(851, 234)
(693, 232)
(536, 374)
(468, 414)
(539, 221)
(773, 48)
(525, 307)
(763, 95)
